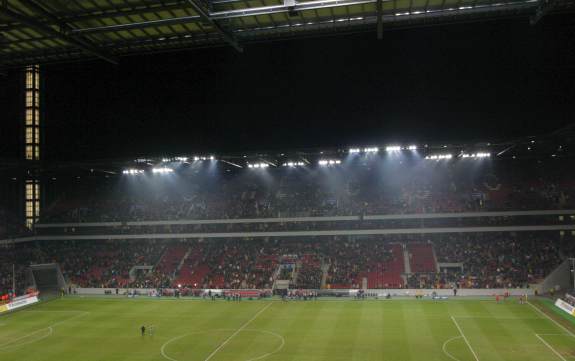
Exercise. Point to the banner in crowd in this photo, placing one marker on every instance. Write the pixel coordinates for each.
(19, 302)
(565, 306)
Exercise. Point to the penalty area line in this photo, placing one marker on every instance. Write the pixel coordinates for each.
(548, 317)
(550, 347)
(465, 338)
(237, 331)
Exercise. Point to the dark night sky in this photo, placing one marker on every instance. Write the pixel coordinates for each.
(482, 81)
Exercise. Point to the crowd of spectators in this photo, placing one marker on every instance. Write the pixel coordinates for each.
(502, 260)
(475, 260)
(354, 258)
(310, 273)
(426, 189)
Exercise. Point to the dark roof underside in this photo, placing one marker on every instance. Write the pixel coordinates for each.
(44, 31)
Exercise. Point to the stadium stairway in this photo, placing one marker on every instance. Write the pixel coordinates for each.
(435, 260)
(406, 262)
(324, 269)
(184, 259)
(190, 272)
(171, 259)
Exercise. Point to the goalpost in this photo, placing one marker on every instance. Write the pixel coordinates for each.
(48, 279)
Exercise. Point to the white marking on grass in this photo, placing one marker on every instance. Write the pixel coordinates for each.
(52, 311)
(465, 338)
(502, 318)
(444, 348)
(550, 347)
(283, 340)
(548, 317)
(168, 357)
(6, 344)
(50, 328)
(237, 331)
(84, 313)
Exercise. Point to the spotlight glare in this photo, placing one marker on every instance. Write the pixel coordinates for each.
(325, 162)
(476, 155)
(293, 164)
(354, 150)
(258, 165)
(371, 150)
(439, 156)
(132, 171)
(162, 170)
(393, 148)
(412, 147)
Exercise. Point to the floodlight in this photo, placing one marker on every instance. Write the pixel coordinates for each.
(132, 171)
(162, 170)
(293, 164)
(258, 165)
(439, 156)
(329, 162)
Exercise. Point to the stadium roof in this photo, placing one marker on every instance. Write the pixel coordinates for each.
(557, 146)
(34, 31)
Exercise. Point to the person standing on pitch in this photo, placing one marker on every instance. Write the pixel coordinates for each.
(143, 329)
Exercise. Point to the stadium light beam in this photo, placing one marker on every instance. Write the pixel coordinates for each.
(476, 155)
(393, 148)
(294, 164)
(328, 162)
(439, 156)
(231, 163)
(162, 170)
(258, 165)
(132, 171)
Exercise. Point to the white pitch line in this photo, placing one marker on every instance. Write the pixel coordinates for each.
(281, 338)
(49, 328)
(465, 338)
(550, 347)
(444, 348)
(501, 318)
(555, 322)
(238, 331)
(84, 313)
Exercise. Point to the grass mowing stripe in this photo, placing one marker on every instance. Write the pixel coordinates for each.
(465, 338)
(550, 318)
(398, 330)
(551, 348)
(238, 331)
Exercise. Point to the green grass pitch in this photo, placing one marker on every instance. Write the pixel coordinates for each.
(108, 329)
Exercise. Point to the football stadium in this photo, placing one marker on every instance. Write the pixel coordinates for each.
(242, 180)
